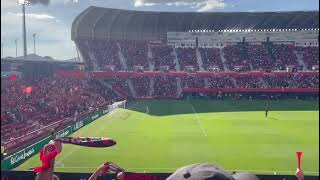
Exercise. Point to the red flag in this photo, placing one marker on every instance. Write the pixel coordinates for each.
(299, 154)
(27, 90)
(12, 77)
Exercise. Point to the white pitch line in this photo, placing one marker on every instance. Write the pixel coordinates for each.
(64, 157)
(228, 170)
(203, 130)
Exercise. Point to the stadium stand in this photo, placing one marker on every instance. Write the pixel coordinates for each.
(119, 56)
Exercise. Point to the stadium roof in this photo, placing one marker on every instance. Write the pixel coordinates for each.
(30, 58)
(97, 22)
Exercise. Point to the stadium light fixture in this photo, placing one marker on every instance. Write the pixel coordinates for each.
(23, 3)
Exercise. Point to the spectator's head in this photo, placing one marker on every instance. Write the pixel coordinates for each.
(208, 172)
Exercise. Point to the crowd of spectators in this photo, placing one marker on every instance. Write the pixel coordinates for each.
(310, 56)
(283, 81)
(235, 58)
(50, 100)
(192, 82)
(120, 83)
(106, 53)
(165, 86)
(284, 56)
(135, 53)
(259, 56)
(162, 56)
(248, 81)
(187, 57)
(238, 57)
(211, 57)
(220, 82)
(306, 81)
(141, 86)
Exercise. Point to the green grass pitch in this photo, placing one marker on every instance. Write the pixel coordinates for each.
(232, 134)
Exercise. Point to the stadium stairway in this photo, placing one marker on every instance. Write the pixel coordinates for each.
(113, 88)
(121, 57)
(262, 82)
(234, 82)
(245, 56)
(206, 83)
(133, 92)
(199, 59)
(223, 59)
(300, 61)
(93, 58)
(179, 88)
(120, 92)
(176, 61)
(151, 84)
(150, 56)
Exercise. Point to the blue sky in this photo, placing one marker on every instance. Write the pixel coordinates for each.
(52, 23)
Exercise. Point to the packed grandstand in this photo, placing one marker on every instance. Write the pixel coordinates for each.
(129, 55)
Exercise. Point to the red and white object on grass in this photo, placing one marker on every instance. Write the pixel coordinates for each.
(299, 156)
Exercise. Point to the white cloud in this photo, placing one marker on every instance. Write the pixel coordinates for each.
(33, 15)
(141, 3)
(201, 5)
(211, 5)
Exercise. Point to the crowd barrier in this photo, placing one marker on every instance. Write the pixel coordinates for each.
(28, 175)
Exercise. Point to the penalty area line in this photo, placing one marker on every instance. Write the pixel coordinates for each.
(197, 117)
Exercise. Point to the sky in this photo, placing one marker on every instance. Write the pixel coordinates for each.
(51, 20)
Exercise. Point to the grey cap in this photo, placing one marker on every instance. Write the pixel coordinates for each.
(208, 171)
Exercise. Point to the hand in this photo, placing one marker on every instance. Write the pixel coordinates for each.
(58, 145)
(299, 174)
(120, 176)
(103, 170)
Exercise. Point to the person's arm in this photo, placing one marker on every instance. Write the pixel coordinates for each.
(45, 172)
(100, 171)
(58, 145)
